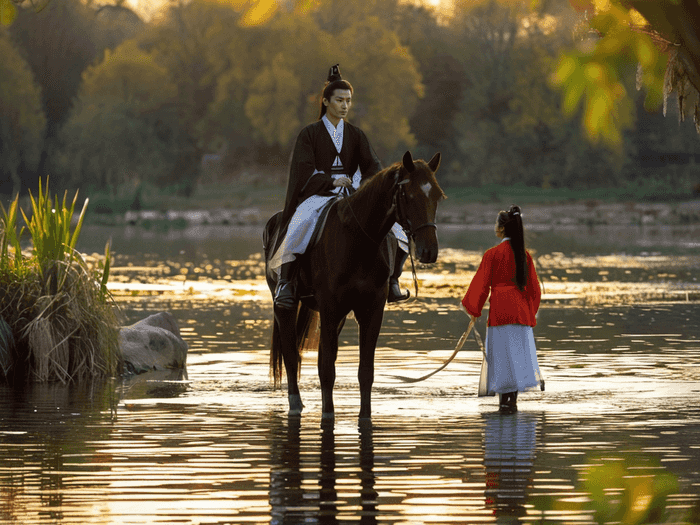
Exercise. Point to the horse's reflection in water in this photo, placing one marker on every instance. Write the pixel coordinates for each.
(509, 454)
(303, 481)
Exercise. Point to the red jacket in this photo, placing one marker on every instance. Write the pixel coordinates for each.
(496, 274)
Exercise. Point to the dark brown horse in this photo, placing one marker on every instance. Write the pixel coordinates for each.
(348, 270)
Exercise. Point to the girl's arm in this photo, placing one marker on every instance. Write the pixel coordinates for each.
(479, 289)
(533, 286)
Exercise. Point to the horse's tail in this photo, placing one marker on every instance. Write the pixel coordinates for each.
(307, 332)
(276, 360)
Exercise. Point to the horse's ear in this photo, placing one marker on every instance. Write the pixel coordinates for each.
(408, 162)
(434, 162)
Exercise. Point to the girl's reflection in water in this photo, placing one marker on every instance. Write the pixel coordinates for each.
(509, 454)
(294, 497)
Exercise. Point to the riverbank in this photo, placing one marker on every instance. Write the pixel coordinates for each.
(248, 204)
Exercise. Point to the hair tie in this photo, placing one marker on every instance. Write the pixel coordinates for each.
(334, 74)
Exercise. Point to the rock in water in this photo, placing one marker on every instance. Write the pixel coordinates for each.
(154, 343)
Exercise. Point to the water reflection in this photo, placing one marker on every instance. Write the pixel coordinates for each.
(286, 495)
(217, 446)
(304, 479)
(154, 384)
(510, 441)
(42, 437)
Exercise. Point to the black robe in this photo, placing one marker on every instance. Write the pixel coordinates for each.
(314, 150)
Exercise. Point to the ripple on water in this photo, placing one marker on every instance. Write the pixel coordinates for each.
(217, 446)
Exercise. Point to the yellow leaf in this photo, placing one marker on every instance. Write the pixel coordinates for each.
(594, 71)
(602, 5)
(8, 12)
(260, 12)
(637, 18)
(235, 4)
(567, 66)
(573, 94)
(597, 114)
(646, 53)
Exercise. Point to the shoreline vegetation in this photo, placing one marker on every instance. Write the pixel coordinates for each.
(58, 321)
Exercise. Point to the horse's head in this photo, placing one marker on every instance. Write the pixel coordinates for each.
(417, 197)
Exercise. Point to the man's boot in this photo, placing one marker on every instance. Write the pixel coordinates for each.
(285, 292)
(395, 293)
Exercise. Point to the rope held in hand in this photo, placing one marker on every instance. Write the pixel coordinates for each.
(459, 346)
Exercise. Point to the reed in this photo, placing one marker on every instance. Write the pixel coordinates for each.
(58, 321)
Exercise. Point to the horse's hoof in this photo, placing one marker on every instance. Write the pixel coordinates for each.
(295, 405)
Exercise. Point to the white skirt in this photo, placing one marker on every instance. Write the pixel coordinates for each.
(511, 360)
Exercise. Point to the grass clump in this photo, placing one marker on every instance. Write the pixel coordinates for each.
(57, 318)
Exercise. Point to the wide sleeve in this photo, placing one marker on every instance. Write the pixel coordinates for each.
(369, 162)
(534, 293)
(479, 288)
(303, 182)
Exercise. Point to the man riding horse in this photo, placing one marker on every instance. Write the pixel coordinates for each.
(331, 158)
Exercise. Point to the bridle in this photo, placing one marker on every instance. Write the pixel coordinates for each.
(399, 203)
(401, 217)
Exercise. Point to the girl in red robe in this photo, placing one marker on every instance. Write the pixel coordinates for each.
(508, 275)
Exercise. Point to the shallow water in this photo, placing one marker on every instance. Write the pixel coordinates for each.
(619, 419)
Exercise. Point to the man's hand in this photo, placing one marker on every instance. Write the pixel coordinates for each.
(342, 181)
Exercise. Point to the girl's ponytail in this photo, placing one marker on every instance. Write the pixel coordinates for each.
(512, 223)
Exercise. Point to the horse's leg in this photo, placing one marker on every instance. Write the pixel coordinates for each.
(286, 339)
(370, 321)
(327, 355)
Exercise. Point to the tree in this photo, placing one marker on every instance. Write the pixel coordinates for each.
(57, 42)
(123, 128)
(117, 24)
(388, 85)
(271, 80)
(661, 38)
(509, 126)
(22, 120)
(283, 96)
(443, 76)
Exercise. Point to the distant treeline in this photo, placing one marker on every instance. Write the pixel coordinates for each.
(99, 99)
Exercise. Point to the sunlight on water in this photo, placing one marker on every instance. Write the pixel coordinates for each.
(618, 343)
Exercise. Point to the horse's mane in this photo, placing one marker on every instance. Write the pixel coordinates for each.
(375, 183)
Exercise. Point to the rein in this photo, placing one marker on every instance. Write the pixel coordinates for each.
(360, 225)
(405, 223)
(402, 219)
(459, 346)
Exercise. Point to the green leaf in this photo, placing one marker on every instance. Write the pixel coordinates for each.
(8, 12)
(105, 272)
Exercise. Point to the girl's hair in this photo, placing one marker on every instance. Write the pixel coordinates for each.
(334, 81)
(512, 223)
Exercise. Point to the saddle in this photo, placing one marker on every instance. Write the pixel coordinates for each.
(275, 231)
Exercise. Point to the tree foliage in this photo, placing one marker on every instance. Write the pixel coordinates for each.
(500, 87)
(22, 120)
(123, 128)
